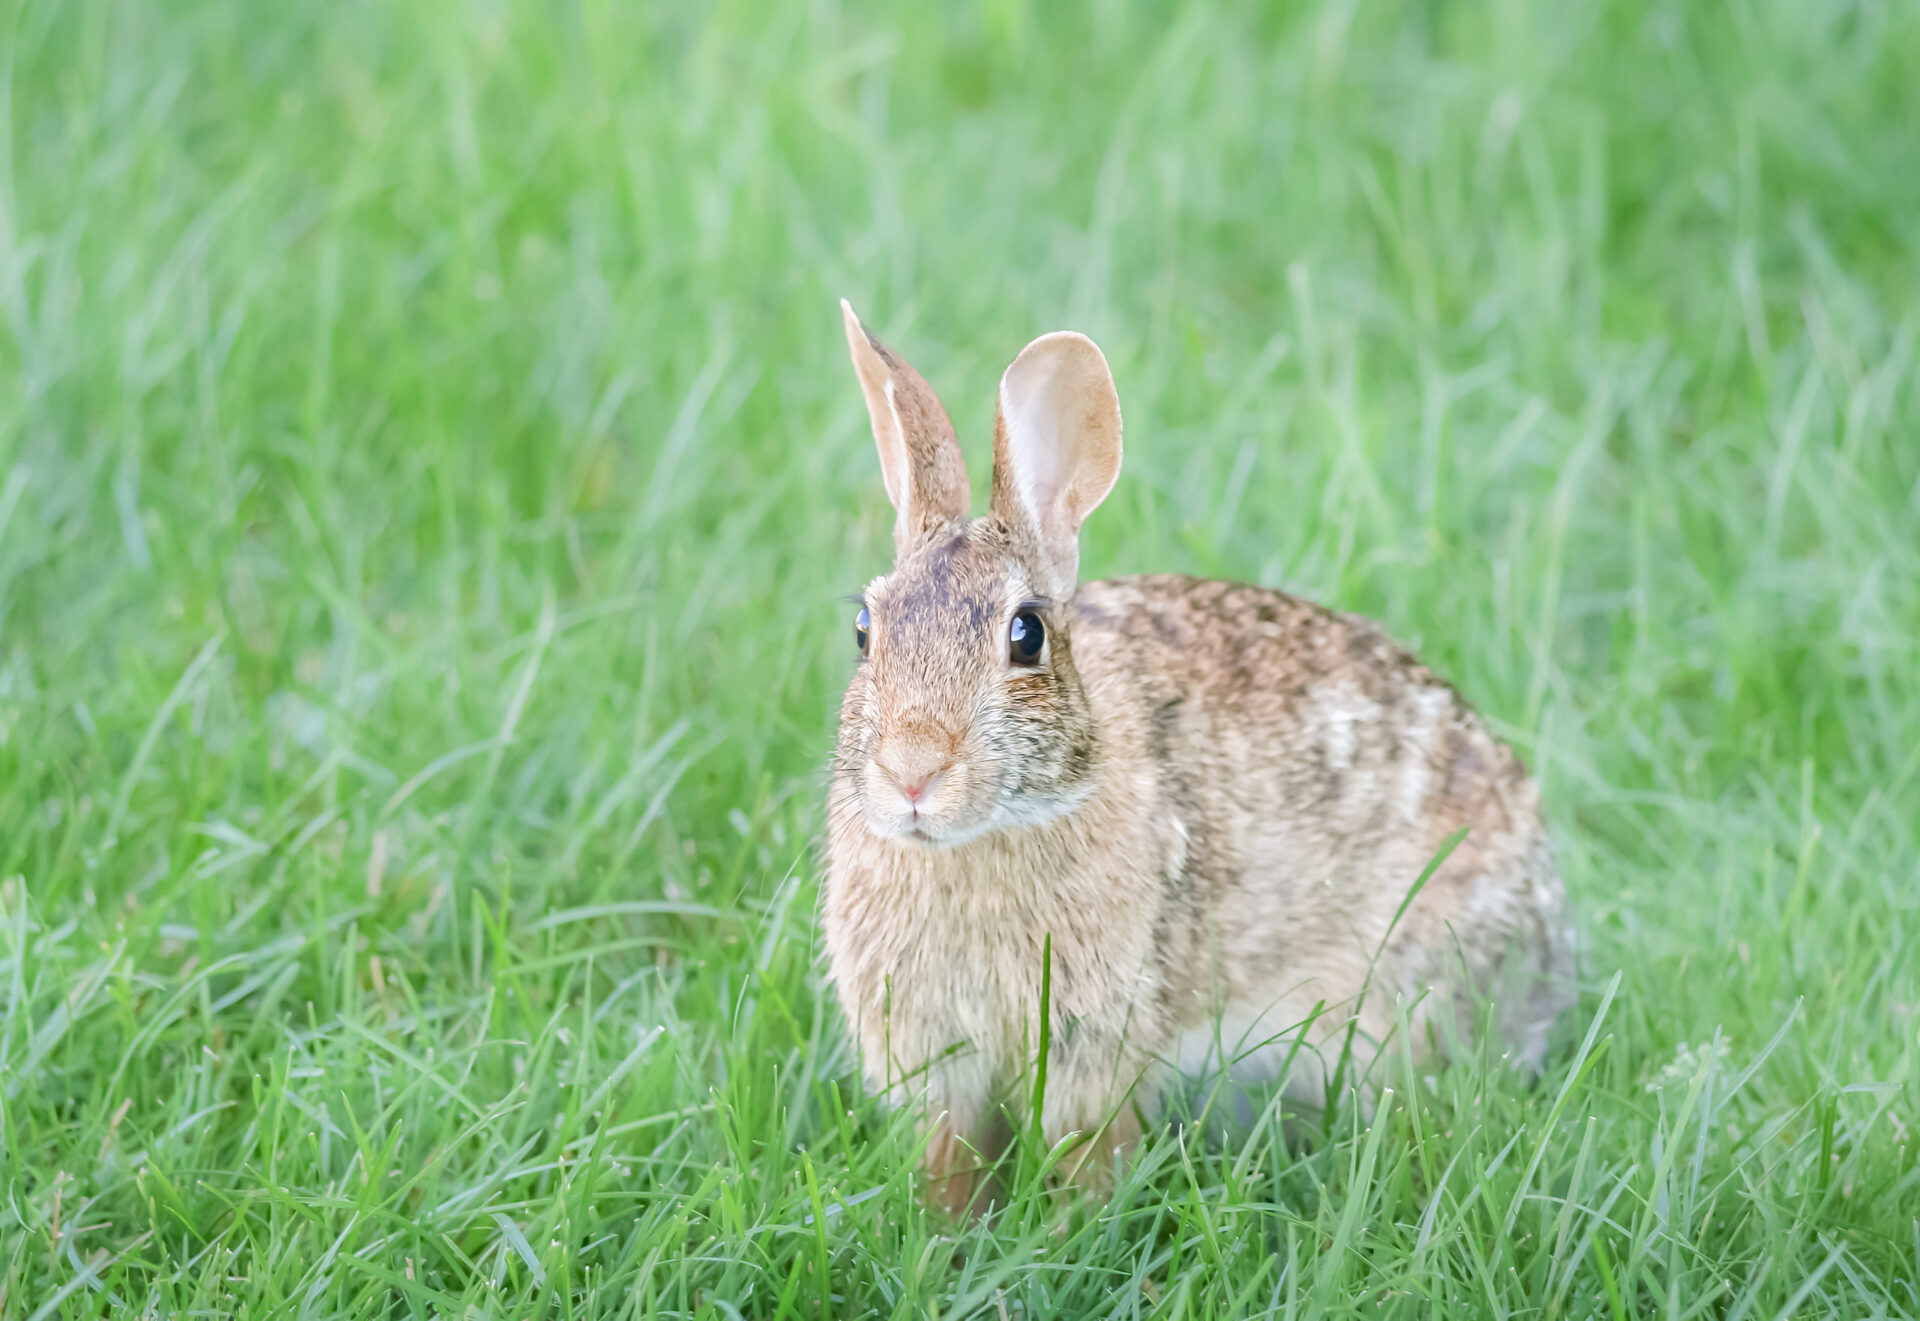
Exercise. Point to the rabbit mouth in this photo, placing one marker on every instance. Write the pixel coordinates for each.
(928, 798)
(921, 828)
(927, 827)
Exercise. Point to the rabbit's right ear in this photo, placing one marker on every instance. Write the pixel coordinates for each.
(1056, 450)
(919, 458)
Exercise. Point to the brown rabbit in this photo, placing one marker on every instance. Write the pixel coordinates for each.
(1212, 797)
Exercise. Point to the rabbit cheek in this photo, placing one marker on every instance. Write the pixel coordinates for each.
(1047, 745)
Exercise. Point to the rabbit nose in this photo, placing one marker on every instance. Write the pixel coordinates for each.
(915, 777)
(916, 754)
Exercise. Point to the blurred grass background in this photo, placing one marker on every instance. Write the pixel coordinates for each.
(429, 470)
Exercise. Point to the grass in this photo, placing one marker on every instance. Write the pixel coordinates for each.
(429, 469)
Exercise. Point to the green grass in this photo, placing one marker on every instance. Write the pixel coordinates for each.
(429, 469)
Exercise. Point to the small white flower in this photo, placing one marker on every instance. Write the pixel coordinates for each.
(1687, 1063)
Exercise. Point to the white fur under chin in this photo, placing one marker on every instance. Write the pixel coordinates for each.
(916, 833)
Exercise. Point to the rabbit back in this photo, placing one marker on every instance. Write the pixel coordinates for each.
(1315, 768)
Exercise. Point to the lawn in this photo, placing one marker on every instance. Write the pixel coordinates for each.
(430, 473)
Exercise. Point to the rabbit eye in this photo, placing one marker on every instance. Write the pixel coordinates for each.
(862, 625)
(1025, 638)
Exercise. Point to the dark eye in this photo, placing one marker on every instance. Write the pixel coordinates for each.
(1025, 637)
(862, 622)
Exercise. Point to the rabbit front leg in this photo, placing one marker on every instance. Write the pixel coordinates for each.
(966, 1133)
(962, 1150)
(1095, 1080)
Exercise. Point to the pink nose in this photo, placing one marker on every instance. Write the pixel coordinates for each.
(918, 789)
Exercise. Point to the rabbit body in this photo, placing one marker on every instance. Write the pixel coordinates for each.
(1212, 799)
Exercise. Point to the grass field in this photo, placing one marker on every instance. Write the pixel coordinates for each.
(430, 470)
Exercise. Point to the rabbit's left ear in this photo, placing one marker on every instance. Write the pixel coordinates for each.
(1056, 449)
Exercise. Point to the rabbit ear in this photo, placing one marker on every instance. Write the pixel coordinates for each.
(919, 458)
(1056, 449)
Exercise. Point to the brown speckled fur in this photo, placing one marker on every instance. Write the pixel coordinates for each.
(1213, 797)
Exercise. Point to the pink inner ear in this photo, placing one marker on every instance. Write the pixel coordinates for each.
(1034, 443)
(1062, 428)
(1042, 498)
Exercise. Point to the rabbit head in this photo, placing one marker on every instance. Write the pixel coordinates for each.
(965, 714)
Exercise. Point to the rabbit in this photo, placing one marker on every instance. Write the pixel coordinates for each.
(1207, 800)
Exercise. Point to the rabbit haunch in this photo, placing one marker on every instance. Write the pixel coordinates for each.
(1211, 797)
